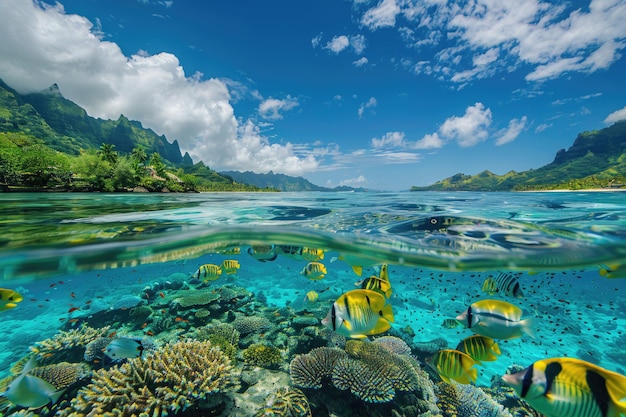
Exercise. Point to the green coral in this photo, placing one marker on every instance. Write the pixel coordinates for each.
(174, 378)
(285, 402)
(261, 355)
(195, 298)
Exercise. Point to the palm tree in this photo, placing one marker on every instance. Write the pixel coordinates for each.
(139, 155)
(108, 153)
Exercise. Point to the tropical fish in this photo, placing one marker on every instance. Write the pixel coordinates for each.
(230, 267)
(263, 253)
(378, 283)
(451, 323)
(31, 391)
(314, 271)
(312, 254)
(455, 365)
(480, 348)
(124, 348)
(311, 296)
(357, 263)
(9, 299)
(613, 271)
(208, 272)
(503, 283)
(301, 252)
(496, 319)
(569, 387)
(359, 313)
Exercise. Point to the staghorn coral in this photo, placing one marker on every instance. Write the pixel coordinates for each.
(285, 402)
(67, 345)
(195, 298)
(251, 324)
(466, 400)
(172, 379)
(261, 355)
(394, 345)
(309, 370)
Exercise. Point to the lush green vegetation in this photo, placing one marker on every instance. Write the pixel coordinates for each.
(597, 159)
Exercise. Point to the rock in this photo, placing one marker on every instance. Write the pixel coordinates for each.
(140, 189)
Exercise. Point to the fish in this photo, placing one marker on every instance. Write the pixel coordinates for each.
(451, 323)
(496, 319)
(480, 348)
(359, 313)
(314, 271)
(311, 296)
(124, 348)
(570, 387)
(452, 364)
(503, 283)
(230, 267)
(613, 271)
(378, 283)
(208, 272)
(263, 253)
(312, 254)
(9, 299)
(30, 391)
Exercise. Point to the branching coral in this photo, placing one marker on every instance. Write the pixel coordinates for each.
(262, 355)
(285, 402)
(67, 345)
(309, 370)
(172, 379)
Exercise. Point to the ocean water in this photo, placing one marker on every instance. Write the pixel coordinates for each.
(87, 259)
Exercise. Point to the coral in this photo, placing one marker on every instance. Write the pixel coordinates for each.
(230, 293)
(67, 345)
(95, 348)
(139, 313)
(285, 402)
(261, 355)
(394, 345)
(366, 382)
(202, 313)
(171, 380)
(251, 324)
(126, 301)
(195, 298)
(61, 375)
(224, 330)
(466, 400)
(309, 370)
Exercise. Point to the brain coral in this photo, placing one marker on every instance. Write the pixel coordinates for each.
(308, 371)
(172, 379)
(285, 402)
(262, 355)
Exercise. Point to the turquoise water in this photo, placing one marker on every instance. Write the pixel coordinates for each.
(98, 254)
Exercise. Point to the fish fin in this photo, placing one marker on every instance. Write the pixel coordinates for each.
(487, 285)
(347, 325)
(358, 270)
(387, 313)
(473, 374)
(445, 378)
(54, 397)
(496, 349)
(528, 325)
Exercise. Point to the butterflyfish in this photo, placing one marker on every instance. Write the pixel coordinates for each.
(9, 299)
(480, 348)
(314, 271)
(208, 272)
(379, 283)
(124, 348)
(496, 319)
(452, 364)
(230, 266)
(30, 391)
(613, 271)
(359, 313)
(503, 283)
(569, 387)
(311, 296)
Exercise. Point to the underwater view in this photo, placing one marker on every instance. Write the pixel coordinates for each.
(313, 304)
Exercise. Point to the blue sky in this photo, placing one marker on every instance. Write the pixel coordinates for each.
(380, 94)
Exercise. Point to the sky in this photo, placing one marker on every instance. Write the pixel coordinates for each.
(382, 94)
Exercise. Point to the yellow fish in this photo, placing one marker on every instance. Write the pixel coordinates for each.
(359, 313)
(569, 387)
(479, 348)
(496, 319)
(208, 272)
(9, 299)
(312, 254)
(378, 283)
(455, 365)
(230, 267)
(311, 296)
(314, 271)
(451, 323)
(613, 271)
(503, 283)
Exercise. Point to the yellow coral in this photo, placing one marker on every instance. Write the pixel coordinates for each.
(262, 355)
(285, 402)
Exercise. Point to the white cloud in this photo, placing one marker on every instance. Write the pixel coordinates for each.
(41, 45)
(338, 43)
(359, 181)
(358, 43)
(512, 132)
(271, 108)
(360, 62)
(429, 141)
(370, 104)
(616, 116)
(469, 129)
(316, 40)
(383, 15)
(543, 127)
(389, 139)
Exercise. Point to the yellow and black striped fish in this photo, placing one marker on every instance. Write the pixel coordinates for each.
(480, 348)
(230, 266)
(208, 272)
(379, 283)
(503, 283)
(9, 299)
(453, 364)
(314, 271)
(569, 387)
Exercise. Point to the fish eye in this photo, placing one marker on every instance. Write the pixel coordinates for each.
(434, 220)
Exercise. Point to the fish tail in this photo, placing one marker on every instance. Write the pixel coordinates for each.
(358, 270)
(473, 374)
(528, 325)
(616, 386)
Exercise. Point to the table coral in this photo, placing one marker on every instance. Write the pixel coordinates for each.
(171, 380)
(195, 298)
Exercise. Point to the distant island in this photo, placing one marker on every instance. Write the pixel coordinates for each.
(596, 160)
(282, 182)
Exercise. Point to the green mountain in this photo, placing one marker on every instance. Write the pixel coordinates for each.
(64, 126)
(281, 182)
(597, 159)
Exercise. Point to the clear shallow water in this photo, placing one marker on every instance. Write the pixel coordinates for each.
(90, 251)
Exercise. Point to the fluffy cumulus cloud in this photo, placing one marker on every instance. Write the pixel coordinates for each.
(41, 45)
(476, 39)
(616, 116)
(469, 129)
(512, 132)
(389, 139)
(340, 43)
(271, 108)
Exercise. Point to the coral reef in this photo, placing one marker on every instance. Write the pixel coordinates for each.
(466, 400)
(262, 355)
(61, 375)
(251, 324)
(195, 298)
(67, 345)
(95, 349)
(174, 378)
(309, 370)
(393, 344)
(285, 402)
